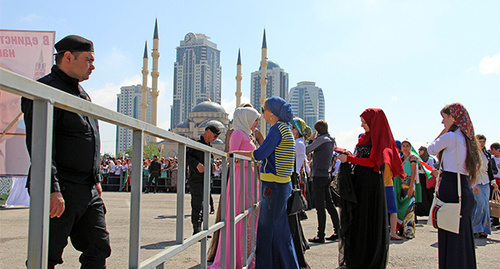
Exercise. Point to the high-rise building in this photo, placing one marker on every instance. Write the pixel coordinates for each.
(129, 103)
(277, 84)
(197, 76)
(308, 102)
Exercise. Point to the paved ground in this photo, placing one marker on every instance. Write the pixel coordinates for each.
(158, 233)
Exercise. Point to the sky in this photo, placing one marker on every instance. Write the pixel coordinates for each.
(409, 58)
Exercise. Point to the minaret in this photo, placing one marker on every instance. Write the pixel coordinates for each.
(144, 89)
(39, 67)
(238, 80)
(155, 74)
(263, 83)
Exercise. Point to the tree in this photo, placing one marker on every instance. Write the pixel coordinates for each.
(148, 151)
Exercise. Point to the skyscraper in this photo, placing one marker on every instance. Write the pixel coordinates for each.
(308, 102)
(197, 76)
(277, 84)
(129, 103)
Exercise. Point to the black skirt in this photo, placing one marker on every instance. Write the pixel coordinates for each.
(364, 236)
(457, 250)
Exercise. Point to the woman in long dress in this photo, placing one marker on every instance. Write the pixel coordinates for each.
(457, 250)
(364, 236)
(244, 120)
(405, 189)
(274, 241)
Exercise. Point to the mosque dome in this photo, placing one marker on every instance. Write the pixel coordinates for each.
(184, 124)
(217, 142)
(271, 65)
(212, 122)
(208, 106)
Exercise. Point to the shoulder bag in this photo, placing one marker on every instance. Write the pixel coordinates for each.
(446, 215)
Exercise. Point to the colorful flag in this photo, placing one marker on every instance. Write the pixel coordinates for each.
(427, 168)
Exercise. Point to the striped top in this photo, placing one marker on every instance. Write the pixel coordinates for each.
(277, 153)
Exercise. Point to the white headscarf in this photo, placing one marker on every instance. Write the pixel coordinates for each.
(243, 119)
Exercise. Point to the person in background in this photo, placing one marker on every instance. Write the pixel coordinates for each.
(495, 152)
(365, 235)
(457, 250)
(481, 220)
(405, 192)
(423, 208)
(300, 243)
(322, 149)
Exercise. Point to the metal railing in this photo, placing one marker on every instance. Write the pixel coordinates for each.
(45, 98)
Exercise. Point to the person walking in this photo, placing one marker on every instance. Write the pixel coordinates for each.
(194, 161)
(76, 208)
(154, 174)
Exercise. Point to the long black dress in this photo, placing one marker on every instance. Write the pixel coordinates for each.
(299, 240)
(364, 235)
(457, 250)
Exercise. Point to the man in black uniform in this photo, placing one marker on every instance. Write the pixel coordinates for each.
(154, 173)
(76, 208)
(195, 160)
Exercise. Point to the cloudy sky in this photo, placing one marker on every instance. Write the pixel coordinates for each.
(409, 58)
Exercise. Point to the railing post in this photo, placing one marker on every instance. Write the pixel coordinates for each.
(243, 222)
(223, 201)
(206, 205)
(41, 161)
(135, 199)
(232, 234)
(181, 190)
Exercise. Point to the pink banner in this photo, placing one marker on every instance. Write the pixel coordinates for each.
(28, 53)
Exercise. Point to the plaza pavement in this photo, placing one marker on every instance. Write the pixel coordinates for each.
(158, 233)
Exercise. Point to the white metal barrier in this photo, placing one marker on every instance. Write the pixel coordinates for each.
(45, 98)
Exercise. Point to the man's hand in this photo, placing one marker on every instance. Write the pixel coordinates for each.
(56, 205)
(200, 168)
(98, 187)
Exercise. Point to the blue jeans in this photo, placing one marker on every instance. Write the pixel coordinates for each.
(275, 247)
(481, 217)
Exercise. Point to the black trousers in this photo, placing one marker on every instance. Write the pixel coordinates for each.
(153, 176)
(84, 222)
(322, 200)
(196, 189)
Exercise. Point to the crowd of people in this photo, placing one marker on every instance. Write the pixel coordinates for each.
(381, 189)
(116, 173)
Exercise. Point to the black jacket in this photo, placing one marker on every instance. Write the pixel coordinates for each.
(193, 157)
(76, 143)
(155, 167)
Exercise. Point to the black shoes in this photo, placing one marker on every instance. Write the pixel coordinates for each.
(333, 237)
(317, 240)
(480, 235)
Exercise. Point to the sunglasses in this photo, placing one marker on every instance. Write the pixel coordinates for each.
(262, 109)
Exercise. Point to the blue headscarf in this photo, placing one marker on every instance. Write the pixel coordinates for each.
(280, 108)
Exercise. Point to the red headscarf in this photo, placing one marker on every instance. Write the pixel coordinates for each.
(384, 148)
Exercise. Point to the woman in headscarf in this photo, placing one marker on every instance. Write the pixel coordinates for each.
(275, 247)
(364, 228)
(245, 119)
(299, 127)
(457, 250)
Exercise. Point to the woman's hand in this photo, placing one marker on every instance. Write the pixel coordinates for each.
(411, 191)
(475, 189)
(342, 158)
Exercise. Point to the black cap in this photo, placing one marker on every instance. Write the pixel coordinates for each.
(74, 43)
(214, 129)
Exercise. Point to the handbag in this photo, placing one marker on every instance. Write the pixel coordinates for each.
(296, 202)
(446, 215)
(495, 204)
